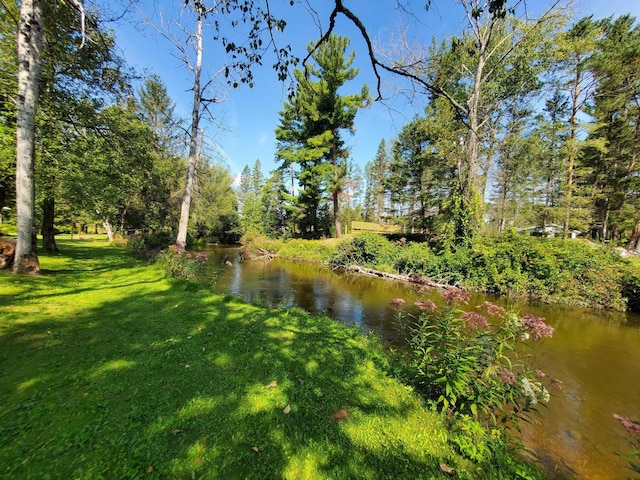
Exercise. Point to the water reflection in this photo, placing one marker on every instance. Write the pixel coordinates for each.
(595, 354)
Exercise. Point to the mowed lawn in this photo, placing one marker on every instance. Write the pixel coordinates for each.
(110, 370)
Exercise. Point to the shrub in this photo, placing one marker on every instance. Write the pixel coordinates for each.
(470, 365)
(192, 266)
(368, 250)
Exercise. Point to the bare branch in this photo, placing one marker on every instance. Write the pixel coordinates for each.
(78, 6)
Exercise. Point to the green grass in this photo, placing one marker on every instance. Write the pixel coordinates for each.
(110, 370)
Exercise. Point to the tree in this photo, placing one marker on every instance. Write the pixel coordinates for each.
(158, 199)
(215, 209)
(196, 116)
(30, 35)
(113, 163)
(276, 202)
(311, 125)
(576, 48)
(616, 112)
(76, 82)
(250, 198)
(490, 46)
(376, 172)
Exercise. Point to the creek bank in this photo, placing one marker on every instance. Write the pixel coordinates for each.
(547, 270)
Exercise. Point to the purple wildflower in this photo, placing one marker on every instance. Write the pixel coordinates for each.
(630, 425)
(507, 376)
(397, 302)
(476, 320)
(536, 326)
(426, 305)
(492, 309)
(454, 295)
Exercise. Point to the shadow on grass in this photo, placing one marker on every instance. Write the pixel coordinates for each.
(157, 380)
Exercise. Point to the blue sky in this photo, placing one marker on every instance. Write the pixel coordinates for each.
(244, 130)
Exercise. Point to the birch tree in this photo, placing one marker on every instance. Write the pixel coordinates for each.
(30, 37)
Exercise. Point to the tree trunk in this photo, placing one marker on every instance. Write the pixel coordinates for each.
(108, 229)
(181, 239)
(48, 230)
(30, 38)
(573, 147)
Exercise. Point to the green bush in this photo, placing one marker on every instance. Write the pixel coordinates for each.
(192, 266)
(367, 250)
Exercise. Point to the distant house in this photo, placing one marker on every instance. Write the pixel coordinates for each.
(550, 230)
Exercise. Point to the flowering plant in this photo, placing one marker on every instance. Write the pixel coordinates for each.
(633, 431)
(473, 362)
(192, 266)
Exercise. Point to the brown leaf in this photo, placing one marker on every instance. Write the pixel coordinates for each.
(255, 449)
(176, 430)
(447, 469)
(150, 469)
(271, 384)
(340, 415)
(287, 409)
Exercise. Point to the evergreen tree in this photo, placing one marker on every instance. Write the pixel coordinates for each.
(376, 172)
(311, 128)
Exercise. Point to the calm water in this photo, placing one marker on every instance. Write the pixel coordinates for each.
(595, 354)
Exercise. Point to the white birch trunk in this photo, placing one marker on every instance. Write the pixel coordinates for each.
(181, 239)
(30, 39)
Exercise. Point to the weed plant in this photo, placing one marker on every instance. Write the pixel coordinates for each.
(476, 363)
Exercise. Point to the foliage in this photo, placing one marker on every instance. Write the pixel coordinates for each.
(369, 250)
(214, 209)
(312, 126)
(167, 382)
(472, 363)
(192, 266)
(535, 268)
(632, 428)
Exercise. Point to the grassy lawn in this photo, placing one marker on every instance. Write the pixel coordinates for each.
(110, 370)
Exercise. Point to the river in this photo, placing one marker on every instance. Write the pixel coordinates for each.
(595, 354)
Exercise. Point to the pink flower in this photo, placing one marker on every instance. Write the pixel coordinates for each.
(397, 302)
(454, 295)
(630, 425)
(426, 305)
(540, 374)
(228, 263)
(492, 309)
(536, 326)
(507, 376)
(474, 319)
(201, 256)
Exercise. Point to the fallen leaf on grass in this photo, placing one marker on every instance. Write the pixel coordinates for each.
(271, 384)
(255, 449)
(150, 469)
(447, 469)
(287, 409)
(187, 366)
(340, 415)
(176, 430)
